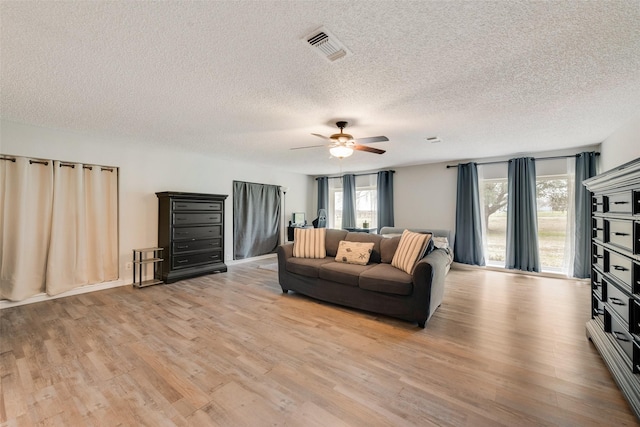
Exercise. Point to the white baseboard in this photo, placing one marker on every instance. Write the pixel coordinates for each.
(101, 286)
(460, 266)
(77, 291)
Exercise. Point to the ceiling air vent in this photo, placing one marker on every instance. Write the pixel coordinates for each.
(327, 45)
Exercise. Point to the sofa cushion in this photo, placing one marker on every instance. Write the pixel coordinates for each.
(333, 239)
(309, 243)
(338, 272)
(306, 266)
(354, 252)
(366, 237)
(388, 246)
(386, 278)
(411, 248)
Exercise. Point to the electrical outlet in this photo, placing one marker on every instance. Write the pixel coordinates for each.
(129, 266)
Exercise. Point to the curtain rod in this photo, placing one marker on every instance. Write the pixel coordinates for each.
(507, 161)
(356, 174)
(46, 163)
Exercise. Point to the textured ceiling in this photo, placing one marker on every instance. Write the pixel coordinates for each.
(236, 78)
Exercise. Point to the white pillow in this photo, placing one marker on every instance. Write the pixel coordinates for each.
(309, 243)
(441, 242)
(354, 252)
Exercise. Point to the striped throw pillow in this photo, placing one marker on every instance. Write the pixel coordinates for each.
(309, 243)
(410, 249)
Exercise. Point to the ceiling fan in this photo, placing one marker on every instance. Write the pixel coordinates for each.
(342, 144)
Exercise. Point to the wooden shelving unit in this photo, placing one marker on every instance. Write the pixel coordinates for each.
(142, 258)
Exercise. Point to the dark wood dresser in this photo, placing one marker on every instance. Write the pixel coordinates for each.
(191, 232)
(614, 327)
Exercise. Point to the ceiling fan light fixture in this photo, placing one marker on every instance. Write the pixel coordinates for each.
(342, 138)
(340, 151)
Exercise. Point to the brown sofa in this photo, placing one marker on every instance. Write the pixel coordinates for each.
(376, 287)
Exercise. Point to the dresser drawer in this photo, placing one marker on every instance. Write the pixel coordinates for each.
(183, 233)
(181, 205)
(182, 261)
(634, 325)
(598, 204)
(598, 308)
(620, 267)
(620, 233)
(622, 337)
(196, 245)
(596, 283)
(597, 228)
(619, 301)
(184, 218)
(598, 254)
(620, 202)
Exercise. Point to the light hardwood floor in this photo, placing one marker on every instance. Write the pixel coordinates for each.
(231, 350)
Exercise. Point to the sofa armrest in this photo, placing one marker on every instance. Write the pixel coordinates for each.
(284, 252)
(430, 272)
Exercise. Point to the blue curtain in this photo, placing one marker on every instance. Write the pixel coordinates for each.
(323, 193)
(385, 199)
(522, 217)
(585, 168)
(468, 243)
(349, 201)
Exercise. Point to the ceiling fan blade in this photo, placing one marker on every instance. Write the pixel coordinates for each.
(368, 149)
(308, 146)
(321, 136)
(371, 139)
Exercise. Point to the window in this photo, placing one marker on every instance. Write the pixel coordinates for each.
(553, 203)
(554, 194)
(366, 202)
(493, 196)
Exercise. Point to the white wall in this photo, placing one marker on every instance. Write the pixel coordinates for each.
(622, 146)
(425, 195)
(145, 169)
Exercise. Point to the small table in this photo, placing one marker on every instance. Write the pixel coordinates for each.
(142, 258)
(291, 228)
(362, 230)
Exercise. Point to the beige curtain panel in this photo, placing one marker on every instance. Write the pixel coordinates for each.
(58, 226)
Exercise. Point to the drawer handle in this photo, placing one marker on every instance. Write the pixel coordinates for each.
(596, 284)
(183, 247)
(598, 312)
(617, 301)
(621, 234)
(598, 256)
(620, 268)
(182, 261)
(599, 203)
(598, 229)
(620, 203)
(620, 336)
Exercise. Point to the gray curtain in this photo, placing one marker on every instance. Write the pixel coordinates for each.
(323, 193)
(522, 216)
(585, 168)
(468, 243)
(256, 219)
(385, 199)
(349, 201)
